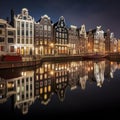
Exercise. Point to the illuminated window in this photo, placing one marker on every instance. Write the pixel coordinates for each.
(41, 70)
(41, 77)
(45, 27)
(18, 89)
(45, 96)
(36, 77)
(41, 90)
(18, 97)
(45, 75)
(49, 88)
(49, 28)
(45, 89)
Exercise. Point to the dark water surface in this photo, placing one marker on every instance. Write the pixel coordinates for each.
(58, 89)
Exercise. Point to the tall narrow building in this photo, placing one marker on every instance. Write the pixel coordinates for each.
(83, 39)
(7, 38)
(61, 37)
(73, 40)
(24, 25)
(44, 44)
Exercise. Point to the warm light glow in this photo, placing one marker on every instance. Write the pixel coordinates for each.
(52, 72)
(45, 89)
(49, 88)
(1, 85)
(41, 90)
(51, 45)
(45, 96)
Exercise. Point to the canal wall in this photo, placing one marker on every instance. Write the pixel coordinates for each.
(16, 64)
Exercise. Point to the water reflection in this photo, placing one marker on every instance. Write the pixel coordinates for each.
(25, 86)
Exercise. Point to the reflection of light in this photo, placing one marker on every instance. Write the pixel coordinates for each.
(45, 65)
(91, 68)
(1, 85)
(49, 88)
(76, 68)
(52, 72)
(18, 97)
(88, 69)
(45, 96)
(23, 73)
(111, 63)
(99, 84)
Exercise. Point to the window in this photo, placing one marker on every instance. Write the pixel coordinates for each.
(10, 40)
(45, 34)
(22, 40)
(18, 40)
(1, 39)
(22, 32)
(62, 24)
(0, 31)
(41, 27)
(49, 28)
(56, 34)
(30, 33)
(45, 20)
(26, 24)
(1, 26)
(41, 33)
(10, 33)
(2, 48)
(18, 32)
(31, 26)
(45, 27)
(11, 48)
(26, 41)
(18, 24)
(30, 40)
(22, 24)
(60, 35)
(27, 33)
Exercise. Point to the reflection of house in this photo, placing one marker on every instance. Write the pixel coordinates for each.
(7, 87)
(113, 67)
(99, 69)
(90, 71)
(44, 82)
(61, 80)
(73, 74)
(24, 91)
(83, 74)
(107, 69)
(3, 94)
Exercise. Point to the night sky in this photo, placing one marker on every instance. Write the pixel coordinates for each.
(76, 12)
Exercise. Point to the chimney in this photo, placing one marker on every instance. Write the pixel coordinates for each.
(12, 17)
(7, 19)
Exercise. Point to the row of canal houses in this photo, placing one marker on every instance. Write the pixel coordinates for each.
(23, 35)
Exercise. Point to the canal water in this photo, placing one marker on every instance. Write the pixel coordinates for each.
(58, 89)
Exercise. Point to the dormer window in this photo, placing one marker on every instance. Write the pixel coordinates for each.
(24, 18)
